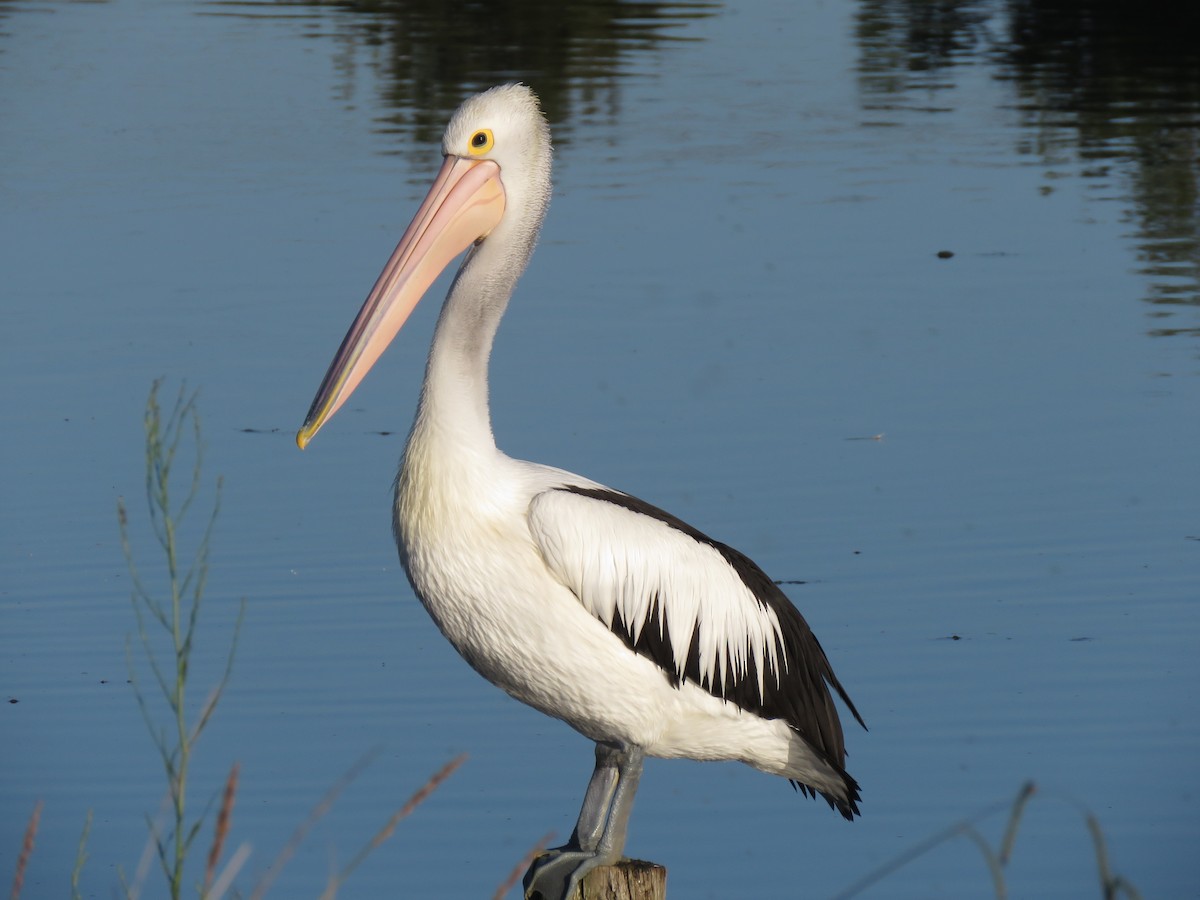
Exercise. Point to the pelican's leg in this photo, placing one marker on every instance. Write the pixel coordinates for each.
(599, 835)
(612, 841)
(597, 799)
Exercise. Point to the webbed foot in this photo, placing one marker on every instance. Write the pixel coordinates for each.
(556, 875)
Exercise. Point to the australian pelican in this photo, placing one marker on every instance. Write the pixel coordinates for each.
(590, 605)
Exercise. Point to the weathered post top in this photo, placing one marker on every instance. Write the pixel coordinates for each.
(629, 879)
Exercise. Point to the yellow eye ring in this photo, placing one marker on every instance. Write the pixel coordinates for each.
(481, 142)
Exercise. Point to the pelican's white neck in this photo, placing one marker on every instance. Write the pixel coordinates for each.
(454, 396)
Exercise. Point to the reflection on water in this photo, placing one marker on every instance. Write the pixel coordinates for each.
(1122, 85)
(430, 54)
(1103, 92)
(1107, 92)
(908, 48)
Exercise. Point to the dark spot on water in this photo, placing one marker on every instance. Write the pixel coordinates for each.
(945, 254)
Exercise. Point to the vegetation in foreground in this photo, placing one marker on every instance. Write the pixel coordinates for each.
(167, 618)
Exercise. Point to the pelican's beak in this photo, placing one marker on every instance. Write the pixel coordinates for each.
(463, 206)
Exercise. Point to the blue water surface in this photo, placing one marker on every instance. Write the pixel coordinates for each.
(979, 470)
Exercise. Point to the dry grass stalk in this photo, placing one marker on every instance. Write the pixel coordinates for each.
(418, 798)
(386, 831)
(224, 816)
(80, 858)
(1111, 884)
(521, 867)
(323, 806)
(26, 850)
(224, 881)
(1014, 819)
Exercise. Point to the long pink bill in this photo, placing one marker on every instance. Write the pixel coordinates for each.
(464, 204)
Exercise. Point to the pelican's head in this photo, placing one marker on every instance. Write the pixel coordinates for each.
(505, 125)
(494, 182)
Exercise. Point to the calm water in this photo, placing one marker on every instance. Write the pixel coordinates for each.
(738, 282)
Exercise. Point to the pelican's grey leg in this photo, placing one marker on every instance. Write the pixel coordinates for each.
(597, 799)
(612, 841)
(600, 832)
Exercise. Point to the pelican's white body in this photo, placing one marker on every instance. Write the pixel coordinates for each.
(475, 529)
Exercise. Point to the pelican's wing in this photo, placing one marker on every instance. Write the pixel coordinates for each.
(702, 611)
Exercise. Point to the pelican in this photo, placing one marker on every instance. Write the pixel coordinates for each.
(590, 605)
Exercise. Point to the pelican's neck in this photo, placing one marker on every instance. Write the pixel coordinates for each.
(453, 410)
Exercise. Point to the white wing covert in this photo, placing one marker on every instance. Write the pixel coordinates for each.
(667, 594)
(699, 609)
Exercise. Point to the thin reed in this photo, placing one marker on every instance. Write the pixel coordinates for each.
(224, 818)
(80, 858)
(175, 608)
(337, 879)
(519, 869)
(26, 850)
(1112, 885)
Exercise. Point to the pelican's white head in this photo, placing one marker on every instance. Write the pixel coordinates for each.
(491, 193)
(505, 125)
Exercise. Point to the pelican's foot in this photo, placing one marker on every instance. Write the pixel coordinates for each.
(599, 835)
(556, 875)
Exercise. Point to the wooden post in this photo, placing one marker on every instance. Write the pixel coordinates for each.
(629, 879)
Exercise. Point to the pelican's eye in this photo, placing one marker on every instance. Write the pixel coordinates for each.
(482, 141)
